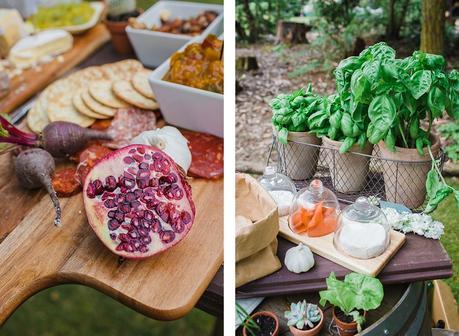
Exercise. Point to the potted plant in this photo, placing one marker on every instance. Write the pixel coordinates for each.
(118, 14)
(402, 98)
(304, 319)
(343, 132)
(351, 298)
(291, 113)
(263, 323)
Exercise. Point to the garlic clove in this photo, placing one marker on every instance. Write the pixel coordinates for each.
(169, 140)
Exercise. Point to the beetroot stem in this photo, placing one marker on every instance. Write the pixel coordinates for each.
(13, 130)
(19, 141)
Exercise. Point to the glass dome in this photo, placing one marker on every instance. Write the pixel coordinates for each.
(314, 211)
(280, 187)
(363, 230)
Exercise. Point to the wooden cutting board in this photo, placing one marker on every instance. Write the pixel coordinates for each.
(32, 80)
(35, 255)
(324, 247)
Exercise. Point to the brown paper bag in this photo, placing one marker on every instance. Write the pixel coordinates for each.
(258, 265)
(257, 220)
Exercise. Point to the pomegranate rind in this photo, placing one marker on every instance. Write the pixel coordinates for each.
(97, 214)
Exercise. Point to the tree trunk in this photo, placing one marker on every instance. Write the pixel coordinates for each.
(253, 33)
(433, 26)
(391, 24)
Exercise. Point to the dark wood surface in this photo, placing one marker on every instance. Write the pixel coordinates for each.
(419, 259)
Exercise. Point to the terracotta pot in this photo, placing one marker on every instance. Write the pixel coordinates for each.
(267, 313)
(406, 172)
(301, 159)
(311, 332)
(346, 329)
(348, 171)
(120, 40)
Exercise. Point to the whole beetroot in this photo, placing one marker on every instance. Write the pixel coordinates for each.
(34, 168)
(59, 138)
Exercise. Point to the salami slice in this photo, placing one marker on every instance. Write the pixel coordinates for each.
(87, 159)
(128, 123)
(101, 124)
(207, 155)
(65, 183)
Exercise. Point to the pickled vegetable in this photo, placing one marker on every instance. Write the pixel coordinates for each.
(316, 222)
(62, 15)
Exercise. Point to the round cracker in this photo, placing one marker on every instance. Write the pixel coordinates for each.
(96, 106)
(37, 119)
(102, 92)
(140, 83)
(84, 109)
(121, 70)
(124, 90)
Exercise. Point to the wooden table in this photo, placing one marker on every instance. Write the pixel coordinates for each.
(35, 255)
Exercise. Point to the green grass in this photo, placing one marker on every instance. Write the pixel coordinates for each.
(448, 214)
(74, 310)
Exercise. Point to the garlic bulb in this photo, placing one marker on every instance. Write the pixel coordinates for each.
(169, 140)
(299, 259)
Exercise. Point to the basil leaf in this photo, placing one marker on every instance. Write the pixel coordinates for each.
(390, 140)
(362, 140)
(414, 128)
(436, 101)
(441, 193)
(346, 145)
(420, 146)
(382, 113)
(360, 86)
(420, 83)
(335, 119)
(282, 136)
(347, 124)
(432, 182)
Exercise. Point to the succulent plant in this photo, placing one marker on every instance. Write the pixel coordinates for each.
(302, 314)
(118, 7)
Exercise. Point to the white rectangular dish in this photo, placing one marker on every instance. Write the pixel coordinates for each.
(153, 48)
(188, 107)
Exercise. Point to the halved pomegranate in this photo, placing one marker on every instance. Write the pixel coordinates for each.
(138, 202)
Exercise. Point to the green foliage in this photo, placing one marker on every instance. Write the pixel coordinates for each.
(260, 18)
(356, 292)
(249, 324)
(302, 314)
(450, 131)
(296, 112)
(75, 310)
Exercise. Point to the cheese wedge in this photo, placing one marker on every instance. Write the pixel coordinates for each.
(12, 29)
(37, 48)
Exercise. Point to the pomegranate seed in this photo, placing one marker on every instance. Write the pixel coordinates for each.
(91, 191)
(125, 207)
(138, 193)
(111, 214)
(142, 183)
(113, 236)
(119, 216)
(141, 213)
(132, 150)
(167, 236)
(135, 204)
(147, 157)
(178, 227)
(128, 183)
(137, 157)
(98, 187)
(121, 247)
(153, 182)
(128, 160)
(128, 175)
(141, 150)
(132, 170)
(129, 248)
(157, 156)
(146, 240)
(143, 249)
(143, 165)
(148, 215)
(143, 174)
(143, 232)
(106, 195)
(113, 224)
(123, 237)
(110, 203)
(133, 234)
(156, 226)
(130, 196)
(135, 222)
(185, 217)
(110, 183)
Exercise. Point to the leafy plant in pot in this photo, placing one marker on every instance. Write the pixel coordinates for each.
(263, 323)
(304, 319)
(399, 96)
(118, 14)
(351, 298)
(343, 132)
(291, 115)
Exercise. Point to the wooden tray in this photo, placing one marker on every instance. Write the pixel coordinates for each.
(419, 259)
(32, 80)
(35, 255)
(324, 247)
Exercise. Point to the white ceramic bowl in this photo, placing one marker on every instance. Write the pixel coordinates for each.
(185, 106)
(153, 48)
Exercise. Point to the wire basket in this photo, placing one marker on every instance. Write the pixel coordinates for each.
(354, 174)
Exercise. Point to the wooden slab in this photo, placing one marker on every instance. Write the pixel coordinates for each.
(36, 255)
(33, 80)
(324, 247)
(420, 259)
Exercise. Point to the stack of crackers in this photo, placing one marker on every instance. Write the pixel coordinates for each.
(93, 93)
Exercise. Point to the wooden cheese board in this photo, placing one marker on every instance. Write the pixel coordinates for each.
(30, 81)
(324, 247)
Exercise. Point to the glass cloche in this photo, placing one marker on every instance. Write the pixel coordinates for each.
(280, 187)
(363, 230)
(314, 210)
